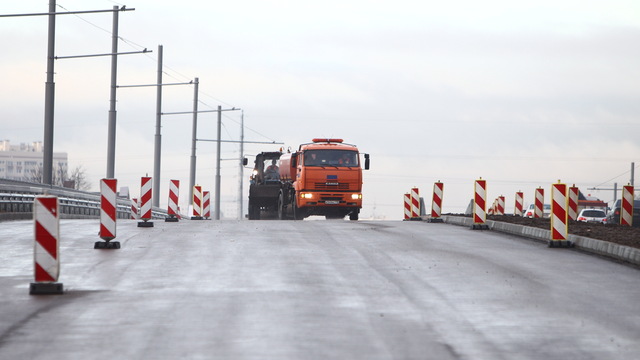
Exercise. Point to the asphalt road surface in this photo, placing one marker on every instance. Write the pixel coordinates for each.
(314, 290)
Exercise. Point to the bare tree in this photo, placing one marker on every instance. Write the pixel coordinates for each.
(79, 177)
(60, 177)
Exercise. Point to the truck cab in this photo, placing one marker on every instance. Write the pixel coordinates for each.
(323, 177)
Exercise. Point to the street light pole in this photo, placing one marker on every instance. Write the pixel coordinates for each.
(194, 134)
(217, 206)
(241, 172)
(47, 160)
(111, 133)
(158, 137)
(49, 92)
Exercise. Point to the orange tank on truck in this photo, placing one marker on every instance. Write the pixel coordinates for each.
(323, 177)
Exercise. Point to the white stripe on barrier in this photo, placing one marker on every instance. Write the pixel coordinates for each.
(46, 261)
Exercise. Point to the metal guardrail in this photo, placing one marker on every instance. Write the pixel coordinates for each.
(16, 202)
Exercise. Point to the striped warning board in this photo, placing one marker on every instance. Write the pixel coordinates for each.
(46, 246)
(626, 209)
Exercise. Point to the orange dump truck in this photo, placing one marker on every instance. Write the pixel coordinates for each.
(323, 177)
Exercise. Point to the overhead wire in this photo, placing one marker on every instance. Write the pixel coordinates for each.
(615, 177)
(178, 75)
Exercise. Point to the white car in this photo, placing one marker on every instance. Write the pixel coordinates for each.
(592, 215)
(528, 212)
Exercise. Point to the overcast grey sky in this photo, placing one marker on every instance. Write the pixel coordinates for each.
(521, 93)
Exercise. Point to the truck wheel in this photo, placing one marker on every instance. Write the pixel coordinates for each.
(281, 208)
(353, 216)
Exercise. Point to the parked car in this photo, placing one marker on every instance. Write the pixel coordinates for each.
(546, 209)
(613, 217)
(593, 215)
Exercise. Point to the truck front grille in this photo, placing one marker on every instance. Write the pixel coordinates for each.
(331, 186)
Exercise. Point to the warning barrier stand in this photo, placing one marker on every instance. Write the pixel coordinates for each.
(480, 205)
(500, 203)
(407, 207)
(108, 215)
(197, 203)
(46, 247)
(134, 209)
(538, 211)
(519, 203)
(573, 202)
(145, 202)
(559, 217)
(626, 208)
(436, 204)
(415, 204)
(172, 210)
(206, 205)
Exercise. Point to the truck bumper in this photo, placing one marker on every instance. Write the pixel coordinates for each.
(329, 200)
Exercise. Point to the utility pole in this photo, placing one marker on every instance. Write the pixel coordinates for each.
(241, 172)
(111, 136)
(49, 94)
(49, 97)
(217, 207)
(158, 136)
(194, 135)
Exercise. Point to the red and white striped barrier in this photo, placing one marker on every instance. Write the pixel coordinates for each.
(573, 202)
(500, 205)
(436, 203)
(538, 210)
(415, 204)
(519, 206)
(407, 206)
(145, 202)
(47, 247)
(206, 205)
(626, 209)
(197, 203)
(492, 209)
(480, 205)
(559, 216)
(134, 209)
(172, 209)
(108, 214)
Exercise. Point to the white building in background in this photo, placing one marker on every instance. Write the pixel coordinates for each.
(20, 162)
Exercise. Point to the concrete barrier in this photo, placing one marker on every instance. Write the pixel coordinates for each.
(600, 247)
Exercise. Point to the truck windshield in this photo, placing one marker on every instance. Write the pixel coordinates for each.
(340, 158)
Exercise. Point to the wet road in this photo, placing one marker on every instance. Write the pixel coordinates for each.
(314, 290)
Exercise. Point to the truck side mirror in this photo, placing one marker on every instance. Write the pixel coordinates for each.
(366, 161)
(294, 159)
(245, 161)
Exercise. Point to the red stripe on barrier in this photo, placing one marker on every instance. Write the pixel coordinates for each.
(41, 275)
(106, 233)
(46, 240)
(108, 208)
(50, 203)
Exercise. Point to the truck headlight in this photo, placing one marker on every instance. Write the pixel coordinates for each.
(306, 195)
(356, 196)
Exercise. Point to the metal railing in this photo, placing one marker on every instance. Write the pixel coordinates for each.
(16, 202)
